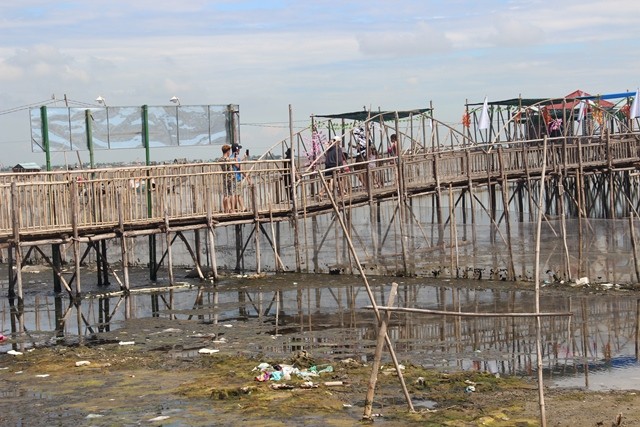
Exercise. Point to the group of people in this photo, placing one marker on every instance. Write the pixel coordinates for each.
(365, 157)
(334, 160)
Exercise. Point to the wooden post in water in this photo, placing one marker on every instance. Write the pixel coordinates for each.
(472, 203)
(76, 241)
(104, 262)
(400, 188)
(256, 222)
(294, 199)
(505, 204)
(543, 417)
(438, 197)
(56, 258)
(372, 218)
(15, 220)
(12, 282)
(453, 233)
(196, 233)
(167, 235)
(211, 238)
(612, 207)
(637, 328)
(239, 250)
(563, 224)
(634, 245)
(123, 243)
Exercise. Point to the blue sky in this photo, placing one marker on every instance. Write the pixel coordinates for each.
(317, 56)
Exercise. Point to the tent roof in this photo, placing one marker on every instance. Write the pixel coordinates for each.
(573, 100)
(515, 102)
(365, 115)
(570, 100)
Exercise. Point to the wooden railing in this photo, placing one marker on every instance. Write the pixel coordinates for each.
(105, 199)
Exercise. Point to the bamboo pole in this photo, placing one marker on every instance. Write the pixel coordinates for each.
(563, 224)
(505, 204)
(274, 245)
(15, 221)
(637, 340)
(453, 237)
(541, 403)
(169, 251)
(294, 201)
(211, 238)
(256, 218)
(634, 246)
(468, 314)
(123, 243)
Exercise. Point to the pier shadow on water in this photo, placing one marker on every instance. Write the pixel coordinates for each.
(274, 316)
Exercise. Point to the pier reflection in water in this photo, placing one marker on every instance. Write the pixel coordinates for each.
(324, 314)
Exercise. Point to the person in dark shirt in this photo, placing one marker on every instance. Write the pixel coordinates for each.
(288, 172)
(332, 159)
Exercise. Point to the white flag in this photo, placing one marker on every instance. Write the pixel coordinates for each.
(484, 117)
(581, 110)
(635, 107)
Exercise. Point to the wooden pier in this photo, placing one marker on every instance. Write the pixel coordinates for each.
(592, 175)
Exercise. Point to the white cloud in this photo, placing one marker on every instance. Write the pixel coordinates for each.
(423, 39)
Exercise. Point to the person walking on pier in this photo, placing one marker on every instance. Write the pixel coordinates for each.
(392, 151)
(288, 172)
(230, 196)
(333, 158)
(241, 176)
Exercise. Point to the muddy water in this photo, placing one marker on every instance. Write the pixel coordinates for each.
(326, 315)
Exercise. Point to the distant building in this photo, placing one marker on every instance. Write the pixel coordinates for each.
(27, 167)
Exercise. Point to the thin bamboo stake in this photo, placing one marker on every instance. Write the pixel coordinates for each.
(74, 225)
(169, 252)
(15, 222)
(563, 224)
(453, 235)
(274, 246)
(637, 328)
(543, 417)
(123, 243)
(468, 314)
(294, 201)
(634, 246)
(211, 238)
(256, 218)
(505, 203)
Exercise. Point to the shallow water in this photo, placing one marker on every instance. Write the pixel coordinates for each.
(277, 315)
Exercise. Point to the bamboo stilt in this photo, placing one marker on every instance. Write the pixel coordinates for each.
(16, 241)
(169, 251)
(634, 247)
(123, 244)
(256, 218)
(541, 403)
(211, 239)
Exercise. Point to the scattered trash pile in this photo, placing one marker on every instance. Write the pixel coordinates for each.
(301, 367)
